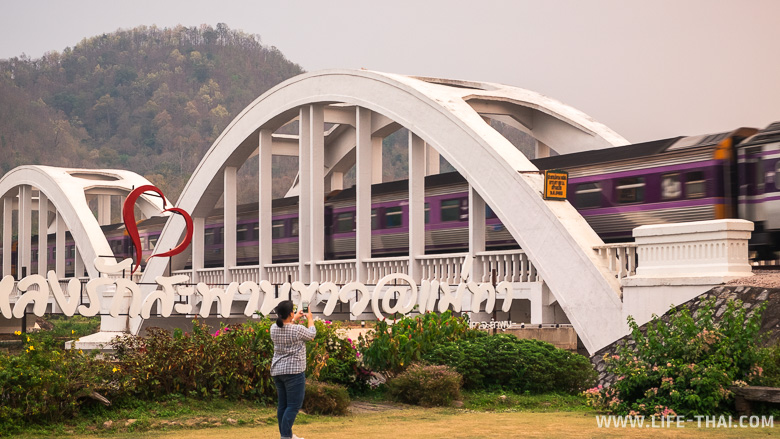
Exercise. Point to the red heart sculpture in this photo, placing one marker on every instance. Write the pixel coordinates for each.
(128, 215)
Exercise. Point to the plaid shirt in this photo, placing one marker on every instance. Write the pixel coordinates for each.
(290, 348)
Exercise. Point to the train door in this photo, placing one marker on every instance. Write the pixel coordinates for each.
(752, 185)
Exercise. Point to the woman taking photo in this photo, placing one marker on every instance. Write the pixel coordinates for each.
(289, 363)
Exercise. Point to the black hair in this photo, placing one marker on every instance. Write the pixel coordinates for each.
(283, 310)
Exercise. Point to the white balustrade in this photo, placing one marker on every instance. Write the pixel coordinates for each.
(212, 276)
(281, 273)
(245, 273)
(444, 268)
(509, 266)
(621, 257)
(377, 268)
(339, 272)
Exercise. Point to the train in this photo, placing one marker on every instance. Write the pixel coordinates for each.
(687, 178)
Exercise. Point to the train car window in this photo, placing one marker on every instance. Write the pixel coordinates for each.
(427, 213)
(255, 228)
(777, 175)
(208, 236)
(242, 233)
(630, 190)
(695, 185)
(450, 210)
(489, 212)
(464, 209)
(671, 187)
(393, 217)
(345, 222)
(374, 220)
(277, 229)
(588, 195)
(294, 227)
(153, 241)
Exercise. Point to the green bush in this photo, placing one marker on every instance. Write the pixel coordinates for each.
(426, 385)
(45, 383)
(325, 398)
(503, 361)
(391, 348)
(684, 367)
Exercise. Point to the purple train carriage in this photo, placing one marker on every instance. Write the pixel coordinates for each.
(725, 175)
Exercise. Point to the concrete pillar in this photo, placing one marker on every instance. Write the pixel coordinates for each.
(24, 235)
(78, 263)
(317, 190)
(230, 221)
(432, 161)
(8, 218)
(265, 215)
(476, 231)
(364, 177)
(59, 247)
(304, 200)
(416, 205)
(542, 150)
(336, 181)
(43, 227)
(376, 172)
(104, 209)
(198, 246)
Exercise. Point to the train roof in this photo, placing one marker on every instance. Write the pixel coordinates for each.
(769, 134)
(605, 155)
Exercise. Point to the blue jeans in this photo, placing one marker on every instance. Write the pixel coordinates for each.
(291, 389)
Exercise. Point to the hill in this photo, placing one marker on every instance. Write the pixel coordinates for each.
(147, 99)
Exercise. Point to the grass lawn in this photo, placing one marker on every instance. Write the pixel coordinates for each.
(483, 415)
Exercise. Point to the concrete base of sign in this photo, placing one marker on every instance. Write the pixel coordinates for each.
(562, 337)
(100, 341)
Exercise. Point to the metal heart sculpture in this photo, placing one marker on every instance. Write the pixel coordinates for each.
(128, 215)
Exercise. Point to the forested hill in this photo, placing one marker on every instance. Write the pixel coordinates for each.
(149, 100)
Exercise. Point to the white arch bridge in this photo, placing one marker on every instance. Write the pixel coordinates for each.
(342, 117)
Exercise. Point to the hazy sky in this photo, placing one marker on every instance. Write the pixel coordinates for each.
(647, 69)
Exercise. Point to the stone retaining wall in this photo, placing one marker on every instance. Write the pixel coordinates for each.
(749, 295)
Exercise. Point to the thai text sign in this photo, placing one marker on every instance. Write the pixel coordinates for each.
(555, 184)
(127, 297)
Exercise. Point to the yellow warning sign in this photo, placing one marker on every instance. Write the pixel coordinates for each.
(555, 184)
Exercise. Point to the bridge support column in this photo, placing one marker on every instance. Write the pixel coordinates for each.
(416, 205)
(317, 188)
(230, 222)
(198, 247)
(432, 161)
(542, 150)
(476, 231)
(59, 247)
(265, 194)
(304, 203)
(78, 263)
(8, 218)
(364, 177)
(104, 209)
(43, 226)
(24, 235)
(376, 157)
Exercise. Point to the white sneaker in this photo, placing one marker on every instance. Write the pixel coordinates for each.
(296, 437)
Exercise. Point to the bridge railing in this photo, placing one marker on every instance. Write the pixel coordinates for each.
(339, 272)
(444, 268)
(377, 268)
(509, 265)
(281, 273)
(621, 257)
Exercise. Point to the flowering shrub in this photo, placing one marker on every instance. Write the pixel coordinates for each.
(330, 357)
(46, 383)
(391, 348)
(683, 367)
(232, 362)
